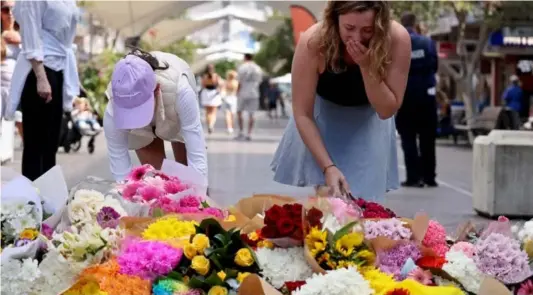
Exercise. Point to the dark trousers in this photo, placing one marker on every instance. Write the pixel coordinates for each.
(41, 124)
(416, 122)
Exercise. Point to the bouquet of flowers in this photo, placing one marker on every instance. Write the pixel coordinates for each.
(157, 193)
(283, 225)
(374, 210)
(215, 261)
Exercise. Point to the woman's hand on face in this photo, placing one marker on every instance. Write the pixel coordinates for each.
(358, 52)
(43, 89)
(336, 182)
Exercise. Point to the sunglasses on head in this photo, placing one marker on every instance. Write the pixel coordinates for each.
(6, 9)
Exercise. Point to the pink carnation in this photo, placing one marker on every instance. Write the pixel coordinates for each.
(190, 201)
(467, 248)
(138, 173)
(214, 212)
(187, 210)
(341, 209)
(130, 189)
(166, 204)
(149, 193)
(435, 235)
(148, 259)
(440, 249)
(174, 187)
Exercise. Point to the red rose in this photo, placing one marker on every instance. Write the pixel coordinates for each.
(296, 210)
(269, 232)
(360, 202)
(274, 213)
(293, 286)
(285, 226)
(431, 262)
(370, 214)
(247, 240)
(269, 221)
(313, 216)
(298, 234)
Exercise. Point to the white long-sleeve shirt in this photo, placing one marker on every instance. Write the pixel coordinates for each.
(191, 131)
(47, 30)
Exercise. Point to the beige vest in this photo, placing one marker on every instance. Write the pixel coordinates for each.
(166, 123)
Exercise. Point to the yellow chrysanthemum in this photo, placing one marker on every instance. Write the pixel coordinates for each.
(230, 218)
(345, 264)
(169, 228)
(379, 281)
(253, 236)
(316, 241)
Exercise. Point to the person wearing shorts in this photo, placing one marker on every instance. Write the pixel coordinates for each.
(229, 101)
(250, 76)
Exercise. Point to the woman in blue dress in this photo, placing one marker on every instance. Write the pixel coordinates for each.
(349, 75)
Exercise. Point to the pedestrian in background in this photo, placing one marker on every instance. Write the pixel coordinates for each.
(273, 96)
(45, 80)
(348, 78)
(250, 76)
(512, 96)
(230, 98)
(417, 118)
(210, 96)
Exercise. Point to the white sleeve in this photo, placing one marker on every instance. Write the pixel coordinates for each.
(29, 15)
(191, 127)
(117, 149)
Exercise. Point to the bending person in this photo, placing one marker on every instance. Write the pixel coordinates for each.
(349, 76)
(153, 100)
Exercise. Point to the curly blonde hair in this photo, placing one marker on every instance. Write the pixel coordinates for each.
(330, 44)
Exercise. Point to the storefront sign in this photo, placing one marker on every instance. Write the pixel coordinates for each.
(512, 37)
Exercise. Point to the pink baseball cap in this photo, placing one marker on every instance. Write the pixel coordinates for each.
(133, 83)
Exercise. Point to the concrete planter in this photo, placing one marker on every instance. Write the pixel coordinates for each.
(503, 173)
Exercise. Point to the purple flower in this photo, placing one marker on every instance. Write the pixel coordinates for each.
(47, 231)
(393, 260)
(501, 257)
(108, 217)
(390, 228)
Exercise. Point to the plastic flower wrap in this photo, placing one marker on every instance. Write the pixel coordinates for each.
(279, 265)
(334, 241)
(500, 256)
(148, 259)
(18, 276)
(344, 281)
(463, 268)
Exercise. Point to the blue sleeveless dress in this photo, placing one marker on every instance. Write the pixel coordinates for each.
(361, 144)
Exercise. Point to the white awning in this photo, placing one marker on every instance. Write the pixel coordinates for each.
(170, 30)
(200, 65)
(268, 27)
(315, 7)
(133, 18)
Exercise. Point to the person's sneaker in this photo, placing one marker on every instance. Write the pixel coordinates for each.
(412, 184)
(230, 131)
(431, 183)
(210, 130)
(239, 137)
(248, 138)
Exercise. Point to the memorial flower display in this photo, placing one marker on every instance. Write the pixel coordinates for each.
(159, 236)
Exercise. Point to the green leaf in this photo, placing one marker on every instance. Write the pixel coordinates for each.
(231, 273)
(223, 239)
(175, 276)
(204, 203)
(212, 251)
(211, 227)
(197, 282)
(344, 231)
(214, 280)
(216, 261)
(158, 212)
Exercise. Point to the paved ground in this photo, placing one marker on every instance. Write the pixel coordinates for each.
(238, 169)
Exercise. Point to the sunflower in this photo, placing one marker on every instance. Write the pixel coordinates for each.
(347, 243)
(316, 241)
(366, 255)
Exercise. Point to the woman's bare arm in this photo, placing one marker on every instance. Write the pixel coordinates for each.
(386, 96)
(305, 68)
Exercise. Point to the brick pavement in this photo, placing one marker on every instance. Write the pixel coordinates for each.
(238, 169)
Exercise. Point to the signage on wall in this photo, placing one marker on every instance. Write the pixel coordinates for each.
(512, 37)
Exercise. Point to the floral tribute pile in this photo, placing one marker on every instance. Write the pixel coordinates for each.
(159, 237)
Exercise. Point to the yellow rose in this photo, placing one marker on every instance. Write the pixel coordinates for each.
(241, 276)
(217, 290)
(222, 275)
(230, 218)
(265, 244)
(200, 242)
(244, 257)
(200, 264)
(190, 251)
(253, 236)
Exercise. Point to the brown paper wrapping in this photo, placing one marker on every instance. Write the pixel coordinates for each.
(254, 285)
(312, 261)
(258, 204)
(491, 286)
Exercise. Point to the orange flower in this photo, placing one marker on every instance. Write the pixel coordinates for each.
(111, 281)
(431, 262)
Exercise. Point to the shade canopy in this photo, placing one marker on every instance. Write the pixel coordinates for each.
(315, 7)
(133, 18)
(170, 30)
(200, 65)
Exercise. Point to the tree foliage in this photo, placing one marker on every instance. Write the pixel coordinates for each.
(183, 48)
(276, 51)
(222, 67)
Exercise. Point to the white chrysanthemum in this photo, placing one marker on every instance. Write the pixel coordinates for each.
(344, 281)
(526, 233)
(19, 276)
(113, 203)
(283, 265)
(463, 269)
(19, 224)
